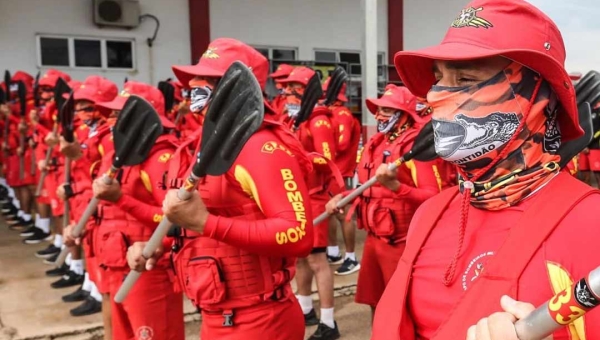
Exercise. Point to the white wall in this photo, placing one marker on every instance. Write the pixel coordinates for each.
(304, 24)
(21, 20)
(426, 21)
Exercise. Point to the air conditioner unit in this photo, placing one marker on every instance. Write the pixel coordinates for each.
(117, 13)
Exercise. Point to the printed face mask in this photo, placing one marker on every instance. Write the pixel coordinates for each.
(199, 95)
(386, 123)
(293, 100)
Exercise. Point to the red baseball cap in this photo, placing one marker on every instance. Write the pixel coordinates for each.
(74, 83)
(342, 95)
(283, 70)
(25, 77)
(396, 97)
(221, 53)
(300, 75)
(513, 29)
(95, 89)
(51, 77)
(146, 91)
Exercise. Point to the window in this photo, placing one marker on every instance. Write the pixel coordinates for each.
(278, 53)
(82, 52)
(351, 58)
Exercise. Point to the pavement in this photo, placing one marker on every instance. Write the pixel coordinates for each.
(31, 310)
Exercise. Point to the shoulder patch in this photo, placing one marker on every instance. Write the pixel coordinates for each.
(164, 157)
(322, 122)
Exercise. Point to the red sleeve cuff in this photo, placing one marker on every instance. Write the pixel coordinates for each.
(211, 227)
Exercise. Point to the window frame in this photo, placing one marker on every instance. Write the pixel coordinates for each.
(71, 51)
(271, 48)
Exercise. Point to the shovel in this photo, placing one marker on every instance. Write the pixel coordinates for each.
(312, 93)
(137, 128)
(582, 296)
(66, 115)
(6, 100)
(338, 79)
(36, 103)
(22, 92)
(423, 150)
(234, 114)
(59, 90)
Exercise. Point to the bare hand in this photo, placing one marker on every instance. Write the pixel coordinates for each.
(68, 239)
(41, 164)
(107, 192)
(60, 192)
(51, 139)
(71, 150)
(22, 127)
(4, 110)
(20, 151)
(137, 261)
(586, 151)
(501, 325)
(331, 206)
(33, 115)
(191, 214)
(387, 178)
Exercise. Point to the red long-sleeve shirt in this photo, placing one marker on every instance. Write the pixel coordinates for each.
(348, 132)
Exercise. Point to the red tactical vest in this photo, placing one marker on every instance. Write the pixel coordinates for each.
(381, 212)
(393, 322)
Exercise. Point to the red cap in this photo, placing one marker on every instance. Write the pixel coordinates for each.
(51, 77)
(396, 97)
(25, 77)
(514, 29)
(74, 84)
(221, 53)
(148, 92)
(300, 75)
(283, 70)
(342, 95)
(575, 76)
(95, 89)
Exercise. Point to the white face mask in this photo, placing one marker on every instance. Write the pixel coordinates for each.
(199, 98)
(386, 126)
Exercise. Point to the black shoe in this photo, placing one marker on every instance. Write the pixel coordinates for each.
(78, 295)
(48, 252)
(311, 319)
(52, 260)
(58, 271)
(70, 279)
(38, 236)
(324, 332)
(89, 307)
(9, 208)
(4, 198)
(335, 259)
(348, 267)
(29, 231)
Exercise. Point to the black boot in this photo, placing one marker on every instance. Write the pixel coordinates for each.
(88, 307)
(78, 295)
(324, 332)
(70, 279)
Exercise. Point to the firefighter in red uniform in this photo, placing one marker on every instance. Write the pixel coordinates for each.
(86, 154)
(129, 211)
(317, 135)
(502, 106)
(348, 132)
(386, 213)
(244, 229)
(282, 72)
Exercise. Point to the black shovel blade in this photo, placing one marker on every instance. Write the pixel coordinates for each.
(7, 81)
(235, 112)
(36, 90)
(423, 148)
(136, 130)
(338, 79)
(168, 92)
(591, 76)
(570, 149)
(66, 118)
(312, 93)
(59, 90)
(2, 96)
(22, 92)
(587, 92)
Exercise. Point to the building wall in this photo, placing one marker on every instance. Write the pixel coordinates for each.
(21, 20)
(426, 21)
(306, 24)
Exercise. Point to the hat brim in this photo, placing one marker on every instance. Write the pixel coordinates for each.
(118, 103)
(185, 73)
(81, 95)
(279, 74)
(416, 71)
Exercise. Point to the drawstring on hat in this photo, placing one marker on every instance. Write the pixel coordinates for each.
(467, 187)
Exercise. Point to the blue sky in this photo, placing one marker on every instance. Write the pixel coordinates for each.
(579, 23)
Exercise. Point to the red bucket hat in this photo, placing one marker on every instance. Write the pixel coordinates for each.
(51, 77)
(396, 97)
(342, 95)
(283, 70)
(513, 29)
(25, 77)
(300, 75)
(221, 53)
(96, 89)
(148, 92)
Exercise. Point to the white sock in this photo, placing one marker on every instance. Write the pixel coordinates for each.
(26, 217)
(3, 181)
(76, 266)
(11, 194)
(333, 251)
(95, 293)
(327, 317)
(20, 213)
(16, 203)
(44, 224)
(87, 284)
(351, 256)
(68, 259)
(305, 303)
(58, 242)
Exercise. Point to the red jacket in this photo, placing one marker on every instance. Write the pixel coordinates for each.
(525, 251)
(348, 133)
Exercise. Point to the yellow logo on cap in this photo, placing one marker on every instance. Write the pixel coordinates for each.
(388, 93)
(468, 18)
(210, 53)
(125, 93)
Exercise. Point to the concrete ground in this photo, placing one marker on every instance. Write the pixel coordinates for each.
(30, 309)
